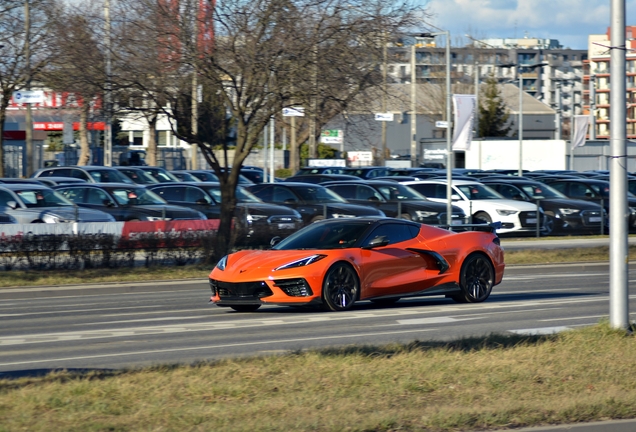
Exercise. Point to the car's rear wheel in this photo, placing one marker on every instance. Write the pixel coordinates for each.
(245, 308)
(482, 218)
(340, 288)
(476, 279)
(549, 225)
(317, 218)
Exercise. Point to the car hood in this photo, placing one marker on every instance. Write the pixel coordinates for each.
(569, 203)
(67, 214)
(428, 206)
(268, 209)
(353, 209)
(504, 204)
(171, 211)
(247, 265)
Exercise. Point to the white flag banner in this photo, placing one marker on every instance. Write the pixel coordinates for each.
(463, 120)
(579, 130)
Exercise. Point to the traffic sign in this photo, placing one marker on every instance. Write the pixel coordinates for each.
(28, 96)
(332, 136)
(441, 124)
(384, 116)
(294, 112)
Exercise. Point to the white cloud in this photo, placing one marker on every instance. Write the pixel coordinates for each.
(569, 21)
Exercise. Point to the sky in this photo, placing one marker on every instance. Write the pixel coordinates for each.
(568, 21)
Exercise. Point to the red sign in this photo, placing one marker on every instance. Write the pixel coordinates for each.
(59, 126)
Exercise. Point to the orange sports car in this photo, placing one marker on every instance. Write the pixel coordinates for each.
(336, 262)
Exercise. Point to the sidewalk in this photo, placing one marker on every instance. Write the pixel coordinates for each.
(604, 426)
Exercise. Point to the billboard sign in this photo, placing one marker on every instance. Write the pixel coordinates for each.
(332, 136)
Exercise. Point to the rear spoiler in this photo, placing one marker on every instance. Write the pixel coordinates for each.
(491, 227)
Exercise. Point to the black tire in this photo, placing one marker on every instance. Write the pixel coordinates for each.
(340, 288)
(385, 301)
(482, 217)
(316, 219)
(476, 279)
(549, 225)
(245, 308)
(406, 216)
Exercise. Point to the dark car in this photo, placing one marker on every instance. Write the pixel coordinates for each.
(368, 172)
(320, 178)
(397, 200)
(56, 181)
(313, 202)
(92, 174)
(593, 190)
(210, 176)
(185, 176)
(162, 175)
(126, 202)
(321, 170)
(259, 222)
(563, 214)
(28, 203)
(137, 175)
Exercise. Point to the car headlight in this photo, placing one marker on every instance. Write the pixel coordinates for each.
(156, 218)
(425, 214)
(50, 218)
(251, 218)
(507, 212)
(222, 263)
(301, 262)
(632, 210)
(341, 215)
(569, 211)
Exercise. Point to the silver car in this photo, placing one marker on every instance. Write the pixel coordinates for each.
(28, 203)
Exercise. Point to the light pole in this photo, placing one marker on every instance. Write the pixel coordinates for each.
(449, 147)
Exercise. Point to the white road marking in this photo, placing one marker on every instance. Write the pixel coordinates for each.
(267, 342)
(552, 276)
(145, 320)
(58, 311)
(574, 318)
(434, 320)
(540, 331)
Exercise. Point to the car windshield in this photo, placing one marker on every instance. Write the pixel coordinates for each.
(139, 176)
(43, 198)
(479, 192)
(109, 176)
(160, 175)
(541, 191)
(601, 190)
(400, 193)
(318, 195)
(325, 236)
(242, 195)
(135, 196)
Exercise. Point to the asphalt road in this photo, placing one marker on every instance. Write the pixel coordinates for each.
(131, 325)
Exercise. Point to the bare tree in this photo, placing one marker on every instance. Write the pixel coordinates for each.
(78, 66)
(261, 57)
(21, 57)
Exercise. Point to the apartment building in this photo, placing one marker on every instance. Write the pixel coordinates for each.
(557, 82)
(598, 83)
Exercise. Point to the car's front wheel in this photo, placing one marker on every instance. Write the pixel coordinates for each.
(482, 218)
(340, 288)
(476, 279)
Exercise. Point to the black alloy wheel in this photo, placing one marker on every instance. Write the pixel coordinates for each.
(476, 279)
(245, 308)
(340, 288)
(482, 218)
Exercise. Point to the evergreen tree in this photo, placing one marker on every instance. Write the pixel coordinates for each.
(493, 113)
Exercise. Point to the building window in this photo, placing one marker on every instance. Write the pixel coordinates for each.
(162, 138)
(138, 138)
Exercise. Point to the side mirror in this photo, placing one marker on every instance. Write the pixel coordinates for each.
(274, 241)
(202, 201)
(289, 201)
(108, 203)
(455, 197)
(374, 198)
(378, 241)
(12, 204)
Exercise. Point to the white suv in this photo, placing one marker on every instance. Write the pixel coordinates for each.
(484, 204)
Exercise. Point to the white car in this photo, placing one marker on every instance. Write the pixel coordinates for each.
(484, 204)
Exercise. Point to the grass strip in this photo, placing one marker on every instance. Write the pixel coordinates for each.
(469, 384)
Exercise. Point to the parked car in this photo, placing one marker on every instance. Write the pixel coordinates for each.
(597, 191)
(210, 176)
(259, 222)
(7, 219)
(28, 203)
(126, 202)
(55, 181)
(137, 175)
(368, 172)
(90, 173)
(320, 178)
(321, 170)
(563, 214)
(162, 175)
(485, 205)
(334, 263)
(397, 200)
(185, 176)
(313, 202)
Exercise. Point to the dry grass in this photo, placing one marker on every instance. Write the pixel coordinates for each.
(471, 384)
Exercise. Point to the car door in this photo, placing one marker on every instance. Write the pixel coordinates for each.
(392, 269)
(285, 196)
(99, 199)
(191, 197)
